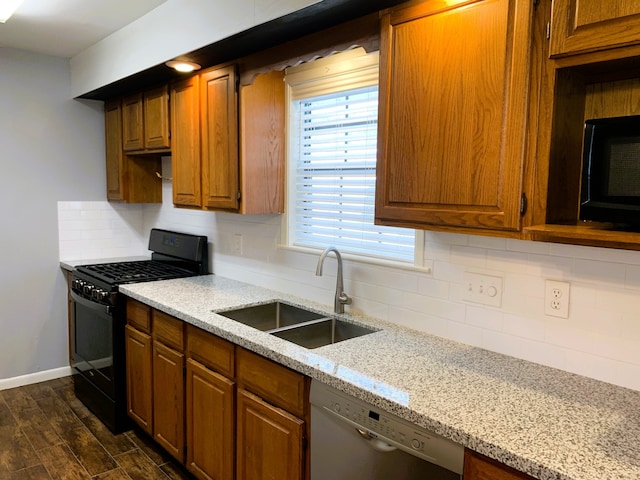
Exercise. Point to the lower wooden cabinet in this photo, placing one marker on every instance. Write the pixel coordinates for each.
(139, 375)
(270, 441)
(210, 423)
(221, 421)
(479, 467)
(168, 399)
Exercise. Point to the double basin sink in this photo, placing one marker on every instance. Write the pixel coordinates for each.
(295, 324)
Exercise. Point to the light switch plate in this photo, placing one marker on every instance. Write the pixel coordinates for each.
(482, 289)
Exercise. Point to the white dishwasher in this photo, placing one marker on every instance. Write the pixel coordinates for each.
(352, 440)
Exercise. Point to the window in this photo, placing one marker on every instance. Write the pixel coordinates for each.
(333, 113)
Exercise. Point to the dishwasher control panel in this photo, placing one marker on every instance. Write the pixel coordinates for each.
(388, 428)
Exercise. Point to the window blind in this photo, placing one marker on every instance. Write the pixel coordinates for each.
(333, 138)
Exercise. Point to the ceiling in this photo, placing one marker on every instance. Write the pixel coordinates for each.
(63, 28)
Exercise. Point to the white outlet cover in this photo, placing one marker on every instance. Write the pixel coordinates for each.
(556, 298)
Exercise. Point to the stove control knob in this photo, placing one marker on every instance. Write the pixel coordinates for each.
(101, 295)
(77, 284)
(88, 289)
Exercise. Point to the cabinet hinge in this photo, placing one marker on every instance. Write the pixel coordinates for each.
(523, 204)
(548, 30)
(238, 196)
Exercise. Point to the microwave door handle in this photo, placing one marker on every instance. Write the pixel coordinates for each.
(104, 309)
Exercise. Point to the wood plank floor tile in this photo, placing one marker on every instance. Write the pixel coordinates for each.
(37, 472)
(46, 433)
(20, 403)
(114, 444)
(67, 394)
(149, 447)
(39, 431)
(60, 414)
(16, 453)
(6, 418)
(62, 464)
(88, 450)
(117, 474)
(175, 472)
(139, 466)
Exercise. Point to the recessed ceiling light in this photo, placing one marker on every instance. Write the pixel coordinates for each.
(182, 66)
(7, 8)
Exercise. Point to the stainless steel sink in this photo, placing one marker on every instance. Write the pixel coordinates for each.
(322, 332)
(271, 316)
(296, 324)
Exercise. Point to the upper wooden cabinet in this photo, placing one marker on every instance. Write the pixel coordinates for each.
(185, 156)
(145, 121)
(217, 167)
(579, 26)
(130, 179)
(219, 127)
(114, 151)
(453, 114)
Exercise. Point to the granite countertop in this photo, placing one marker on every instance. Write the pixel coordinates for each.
(70, 265)
(548, 423)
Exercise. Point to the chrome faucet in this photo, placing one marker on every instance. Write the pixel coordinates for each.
(342, 298)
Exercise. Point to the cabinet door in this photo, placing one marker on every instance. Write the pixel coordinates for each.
(156, 118)
(479, 467)
(185, 150)
(132, 123)
(139, 375)
(114, 153)
(452, 122)
(168, 399)
(210, 422)
(219, 127)
(262, 144)
(270, 441)
(588, 25)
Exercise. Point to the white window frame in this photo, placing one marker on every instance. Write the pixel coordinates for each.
(341, 69)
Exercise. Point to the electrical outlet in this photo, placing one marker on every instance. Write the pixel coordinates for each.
(483, 289)
(556, 298)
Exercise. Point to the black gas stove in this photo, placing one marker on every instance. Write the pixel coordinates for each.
(99, 317)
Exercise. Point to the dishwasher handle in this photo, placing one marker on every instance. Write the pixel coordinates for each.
(375, 442)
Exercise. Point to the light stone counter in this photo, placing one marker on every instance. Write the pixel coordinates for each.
(548, 423)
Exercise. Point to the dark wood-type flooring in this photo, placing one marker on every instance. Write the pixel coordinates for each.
(47, 433)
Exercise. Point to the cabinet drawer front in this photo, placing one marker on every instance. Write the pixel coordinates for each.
(212, 351)
(168, 330)
(276, 384)
(139, 315)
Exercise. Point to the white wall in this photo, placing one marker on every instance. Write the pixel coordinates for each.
(52, 149)
(174, 28)
(601, 338)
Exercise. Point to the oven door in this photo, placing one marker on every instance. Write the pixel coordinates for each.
(93, 343)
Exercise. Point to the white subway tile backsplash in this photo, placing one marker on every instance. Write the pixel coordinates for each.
(484, 318)
(431, 287)
(632, 277)
(464, 333)
(600, 339)
(544, 353)
(470, 257)
(525, 327)
(501, 343)
(591, 271)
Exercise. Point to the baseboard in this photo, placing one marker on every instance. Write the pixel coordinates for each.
(37, 377)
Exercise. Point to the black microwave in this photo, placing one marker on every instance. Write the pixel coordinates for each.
(610, 189)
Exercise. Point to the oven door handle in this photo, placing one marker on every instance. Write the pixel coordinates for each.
(98, 307)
